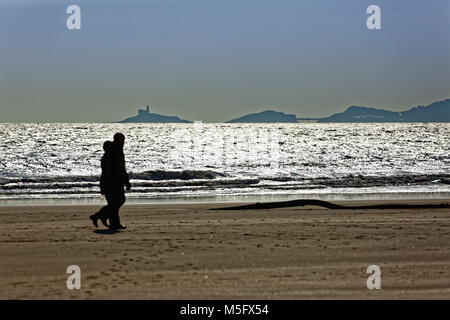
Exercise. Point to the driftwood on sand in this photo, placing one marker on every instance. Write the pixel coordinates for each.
(329, 205)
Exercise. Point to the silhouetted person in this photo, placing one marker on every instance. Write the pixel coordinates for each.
(103, 213)
(116, 179)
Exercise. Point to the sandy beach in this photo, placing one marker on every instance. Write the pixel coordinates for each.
(185, 251)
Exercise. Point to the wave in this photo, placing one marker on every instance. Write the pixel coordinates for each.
(175, 175)
(145, 175)
(206, 181)
(370, 181)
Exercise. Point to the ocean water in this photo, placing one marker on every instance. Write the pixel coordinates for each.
(196, 162)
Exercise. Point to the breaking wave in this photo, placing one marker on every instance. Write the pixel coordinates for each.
(172, 183)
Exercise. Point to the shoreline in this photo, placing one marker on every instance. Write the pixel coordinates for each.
(186, 251)
(240, 198)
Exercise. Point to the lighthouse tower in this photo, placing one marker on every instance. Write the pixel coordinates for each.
(145, 111)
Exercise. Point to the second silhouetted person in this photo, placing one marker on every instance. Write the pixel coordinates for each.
(116, 178)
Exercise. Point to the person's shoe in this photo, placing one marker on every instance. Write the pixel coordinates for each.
(104, 222)
(118, 227)
(94, 220)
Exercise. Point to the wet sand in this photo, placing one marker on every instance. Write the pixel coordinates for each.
(189, 252)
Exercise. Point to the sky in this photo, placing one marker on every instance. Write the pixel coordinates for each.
(215, 60)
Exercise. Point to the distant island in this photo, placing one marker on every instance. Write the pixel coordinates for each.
(435, 112)
(145, 116)
(268, 116)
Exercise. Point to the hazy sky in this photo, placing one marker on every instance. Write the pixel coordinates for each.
(214, 60)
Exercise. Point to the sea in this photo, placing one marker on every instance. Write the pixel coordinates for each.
(197, 162)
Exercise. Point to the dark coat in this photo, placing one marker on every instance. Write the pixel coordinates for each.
(116, 173)
(106, 164)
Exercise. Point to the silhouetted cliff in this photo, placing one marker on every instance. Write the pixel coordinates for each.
(435, 112)
(266, 117)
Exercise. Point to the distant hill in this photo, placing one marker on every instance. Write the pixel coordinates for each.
(435, 112)
(144, 116)
(268, 116)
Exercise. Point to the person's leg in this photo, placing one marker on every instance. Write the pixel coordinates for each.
(120, 203)
(103, 214)
(106, 210)
(94, 219)
(113, 209)
(118, 199)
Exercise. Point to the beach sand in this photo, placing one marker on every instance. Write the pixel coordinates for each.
(185, 251)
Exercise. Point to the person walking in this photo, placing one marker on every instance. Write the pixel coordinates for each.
(103, 213)
(116, 179)
(112, 182)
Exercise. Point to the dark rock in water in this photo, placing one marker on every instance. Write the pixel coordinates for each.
(435, 112)
(145, 116)
(268, 116)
